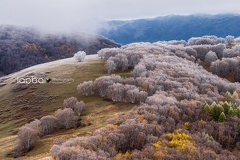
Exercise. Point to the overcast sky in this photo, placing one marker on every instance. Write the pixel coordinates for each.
(77, 15)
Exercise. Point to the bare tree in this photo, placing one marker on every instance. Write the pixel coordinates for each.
(65, 118)
(34, 125)
(116, 92)
(210, 57)
(70, 102)
(79, 56)
(109, 52)
(229, 39)
(48, 124)
(85, 88)
(133, 95)
(121, 61)
(220, 68)
(110, 66)
(78, 107)
(191, 52)
(26, 139)
(142, 96)
(202, 50)
(202, 40)
(138, 70)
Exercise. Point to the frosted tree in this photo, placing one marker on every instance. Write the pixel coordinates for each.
(101, 84)
(218, 49)
(202, 40)
(79, 56)
(134, 59)
(109, 52)
(26, 139)
(101, 53)
(110, 66)
(121, 61)
(221, 40)
(229, 39)
(229, 53)
(73, 103)
(138, 70)
(142, 96)
(78, 107)
(133, 95)
(233, 64)
(210, 57)
(202, 50)
(220, 68)
(191, 52)
(34, 125)
(70, 102)
(48, 124)
(65, 118)
(116, 92)
(85, 88)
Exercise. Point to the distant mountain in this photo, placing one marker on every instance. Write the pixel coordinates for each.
(172, 27)
(22, 47)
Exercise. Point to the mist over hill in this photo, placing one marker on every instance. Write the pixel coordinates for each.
(172, 27)
(21, 47)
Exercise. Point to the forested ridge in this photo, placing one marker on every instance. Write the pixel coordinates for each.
(22, 47)
(172, 27)
(184, 112)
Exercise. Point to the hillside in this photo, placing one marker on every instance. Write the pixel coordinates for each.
(185, 112)
(22, 47)
(172, 27)
(157, 102)
(36, 101)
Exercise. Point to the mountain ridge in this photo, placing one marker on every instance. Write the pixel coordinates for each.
(22, 47)
(172, 27)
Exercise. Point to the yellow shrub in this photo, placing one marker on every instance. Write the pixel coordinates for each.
(157, 144)
(127, 154)
(120, 154)
(181, 141)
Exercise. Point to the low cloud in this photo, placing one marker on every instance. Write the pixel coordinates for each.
(88, 15)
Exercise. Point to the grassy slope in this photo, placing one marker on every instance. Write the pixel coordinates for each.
(48, 98)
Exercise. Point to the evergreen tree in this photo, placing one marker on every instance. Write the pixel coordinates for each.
(231, 111)
(238, 112)
(226, 106)
(228, 95)
(208, 109)
(235, 95)
(222, 117)
(216, 111)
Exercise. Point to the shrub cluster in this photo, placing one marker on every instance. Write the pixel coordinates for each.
(115, 88)
(62, 119)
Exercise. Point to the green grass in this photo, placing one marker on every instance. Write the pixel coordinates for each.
(97, 110)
